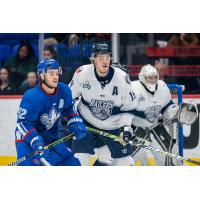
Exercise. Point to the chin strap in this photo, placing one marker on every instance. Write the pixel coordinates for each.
(148, 89)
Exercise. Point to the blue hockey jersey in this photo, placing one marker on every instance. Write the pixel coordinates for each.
(39, 113)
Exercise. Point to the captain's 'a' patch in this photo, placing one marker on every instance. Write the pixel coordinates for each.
(115, 90)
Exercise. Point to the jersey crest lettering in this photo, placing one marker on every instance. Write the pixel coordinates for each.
(101, 109)
(151, 113)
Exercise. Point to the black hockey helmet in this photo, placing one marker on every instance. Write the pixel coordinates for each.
(101, 48)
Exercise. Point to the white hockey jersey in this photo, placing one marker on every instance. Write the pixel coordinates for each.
(150, 106)
(107, 107)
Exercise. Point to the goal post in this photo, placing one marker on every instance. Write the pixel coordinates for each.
(178, 90)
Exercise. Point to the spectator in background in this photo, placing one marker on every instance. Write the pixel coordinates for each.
(73, 40)
(50, 41)
(30, 82)
(161, 69)
(5, 86)
(49, 52)
(183, 39)
(22, 63)
(92, 37)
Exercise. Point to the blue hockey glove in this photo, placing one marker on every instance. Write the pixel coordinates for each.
(37, 144)
(76, 126)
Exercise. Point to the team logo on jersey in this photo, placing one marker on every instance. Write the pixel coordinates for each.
(48, 120)
(141, 98)
(101, 109)
(152, 113)
(36, 161)
(87, 85)
(124, 150)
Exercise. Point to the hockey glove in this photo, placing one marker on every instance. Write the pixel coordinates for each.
(127, 134)
(76, 126)
(37, 144)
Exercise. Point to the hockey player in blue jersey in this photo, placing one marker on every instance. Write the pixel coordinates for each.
(38, 115)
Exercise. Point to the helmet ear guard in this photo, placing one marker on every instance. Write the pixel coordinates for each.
(145, 72)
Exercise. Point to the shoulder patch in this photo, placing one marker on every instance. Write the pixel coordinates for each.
(79, 69)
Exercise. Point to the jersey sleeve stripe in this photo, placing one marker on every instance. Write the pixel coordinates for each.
(19, 140)
(70, 115)
(21, 129)
(33, 129)
(165, 107)
(139, 114)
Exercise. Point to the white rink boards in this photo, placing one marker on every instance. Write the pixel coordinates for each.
(8, 115)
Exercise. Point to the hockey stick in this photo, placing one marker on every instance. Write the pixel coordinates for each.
(64, 139)
(118, 139)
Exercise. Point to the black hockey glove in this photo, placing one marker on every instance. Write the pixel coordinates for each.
(127, 134)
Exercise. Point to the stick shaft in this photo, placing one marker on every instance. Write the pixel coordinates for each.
(116, 138)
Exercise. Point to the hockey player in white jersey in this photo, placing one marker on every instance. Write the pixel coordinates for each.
(154, 104)
(106, 99)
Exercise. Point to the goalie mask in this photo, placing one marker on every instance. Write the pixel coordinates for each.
(149, 76)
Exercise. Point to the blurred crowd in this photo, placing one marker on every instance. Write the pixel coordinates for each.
(18, 71)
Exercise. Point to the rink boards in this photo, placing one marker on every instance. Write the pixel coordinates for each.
(8, 114)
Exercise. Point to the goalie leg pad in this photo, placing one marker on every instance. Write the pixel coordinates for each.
(161, 136)
(162, 140)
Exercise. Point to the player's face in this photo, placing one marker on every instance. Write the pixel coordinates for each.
(102, 63)
(152, 79)
(52, 77)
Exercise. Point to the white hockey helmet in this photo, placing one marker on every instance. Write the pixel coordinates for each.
(149, 77)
